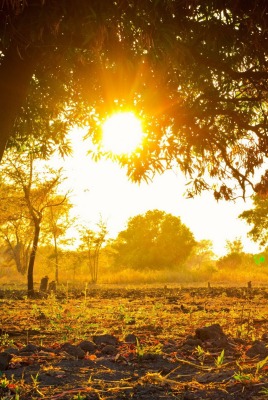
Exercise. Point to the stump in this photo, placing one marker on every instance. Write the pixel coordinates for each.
(43, 284)
(52, 287)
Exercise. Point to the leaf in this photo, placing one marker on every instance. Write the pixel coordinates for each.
(262, 363)
(220, 359)
(91, 357)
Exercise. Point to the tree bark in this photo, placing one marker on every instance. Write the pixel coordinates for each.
(32, 260)
(16, 70)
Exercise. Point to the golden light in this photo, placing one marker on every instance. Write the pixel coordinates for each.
(122, 133)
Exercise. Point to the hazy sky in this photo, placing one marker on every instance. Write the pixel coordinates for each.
(102, 189)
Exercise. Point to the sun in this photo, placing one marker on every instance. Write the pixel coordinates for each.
(122, 133)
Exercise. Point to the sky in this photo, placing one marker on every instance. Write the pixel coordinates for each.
(102, 190)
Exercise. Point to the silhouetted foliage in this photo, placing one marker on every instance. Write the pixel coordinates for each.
(257, 217)
(194, 71)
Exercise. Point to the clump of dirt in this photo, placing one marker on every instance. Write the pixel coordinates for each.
(213, 334)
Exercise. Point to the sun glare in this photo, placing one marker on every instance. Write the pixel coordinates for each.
(122, 133)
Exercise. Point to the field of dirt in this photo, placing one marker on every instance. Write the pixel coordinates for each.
(135, 343)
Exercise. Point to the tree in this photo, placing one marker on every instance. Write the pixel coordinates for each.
(235, 246)
(154, 240)
(258, 218)
(195, 71)
(202, 253)
(36, 191)
(235, 255)
(15, 228)
(55, 224)
(91, 244)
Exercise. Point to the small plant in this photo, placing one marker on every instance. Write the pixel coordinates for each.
(264, 391)
(139, 349)
(261, 364)
(10, 386)
(251, 378)
(124, 315)
(79, 397)
(244, 378)
(156, 349)
(220, 359)
(4, 382)
(201, 354)
(35, 380)
(5, 341)
(200, 351)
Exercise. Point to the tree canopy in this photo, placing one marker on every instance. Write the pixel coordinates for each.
(257, 217)
(235, 257)
(154, 240)
(91, 244)
(194, 71)
(33, 190)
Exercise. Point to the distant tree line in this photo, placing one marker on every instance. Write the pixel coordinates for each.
(34, 217)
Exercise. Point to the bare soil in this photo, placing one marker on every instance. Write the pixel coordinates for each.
(149, 343)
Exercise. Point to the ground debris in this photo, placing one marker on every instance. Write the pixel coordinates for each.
(88, 349)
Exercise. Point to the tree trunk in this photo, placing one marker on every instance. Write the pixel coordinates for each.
(16, 71)
(56, 260)
(96, 264)
(32, 260)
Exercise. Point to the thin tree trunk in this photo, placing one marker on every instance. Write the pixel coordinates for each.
(56, 260)
(96, 263)
(32, 260)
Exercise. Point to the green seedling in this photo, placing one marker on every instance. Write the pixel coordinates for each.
(252, 378)
(79, 397)
(36, 383)
(4, 382)
(139, 349)
(200, 351)
(261, 364)
(243, 378)
(220, 359)
(35, 379)
(201, 354)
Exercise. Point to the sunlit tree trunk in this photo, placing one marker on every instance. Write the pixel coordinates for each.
(32, 259)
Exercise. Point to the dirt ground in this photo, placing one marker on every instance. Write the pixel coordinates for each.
(135, 343)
